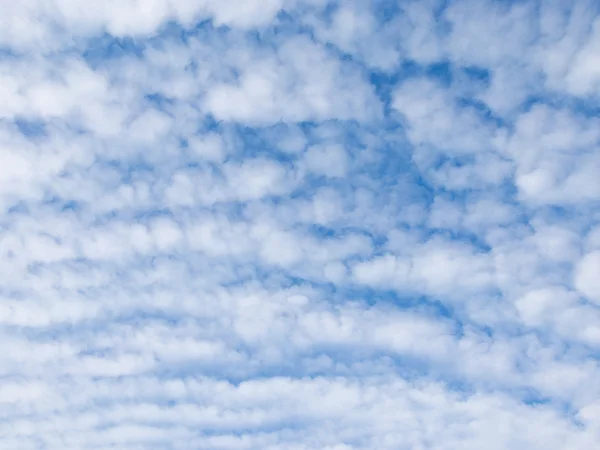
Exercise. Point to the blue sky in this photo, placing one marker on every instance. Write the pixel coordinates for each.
(299, 225)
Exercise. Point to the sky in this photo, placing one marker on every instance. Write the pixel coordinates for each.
(300, 224)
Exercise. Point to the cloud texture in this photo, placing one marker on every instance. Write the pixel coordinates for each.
(300, 225)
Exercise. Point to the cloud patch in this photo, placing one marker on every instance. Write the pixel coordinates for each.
(299, 225)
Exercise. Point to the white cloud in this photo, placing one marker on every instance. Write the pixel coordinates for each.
(281, 85)
(50, 19)
(586, 276)
(328, 160)
(583, 77)
(299, 225)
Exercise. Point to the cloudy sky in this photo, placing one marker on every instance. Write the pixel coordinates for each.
(300, 224)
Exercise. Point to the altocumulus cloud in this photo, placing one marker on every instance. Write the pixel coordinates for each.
(300, 224)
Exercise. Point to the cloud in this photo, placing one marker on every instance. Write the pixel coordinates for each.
(585, 276)
(56, 22)
(299, 225)
(277, 86)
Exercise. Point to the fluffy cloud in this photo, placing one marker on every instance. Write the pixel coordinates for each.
(586, 274)
(299, 225)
